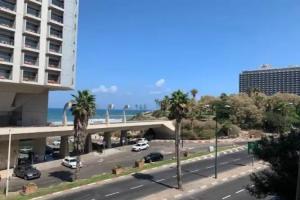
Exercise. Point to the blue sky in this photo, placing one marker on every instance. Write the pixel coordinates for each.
(133, 51)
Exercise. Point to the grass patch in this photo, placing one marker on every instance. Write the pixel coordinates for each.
(97, 178)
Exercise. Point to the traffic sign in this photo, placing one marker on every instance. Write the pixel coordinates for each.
(252, 146)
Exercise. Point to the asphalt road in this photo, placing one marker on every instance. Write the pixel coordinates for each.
(233, 190)
(98, 165)
(144, 184)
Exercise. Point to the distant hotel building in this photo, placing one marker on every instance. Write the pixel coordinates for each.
(271, 81)
(38, 40)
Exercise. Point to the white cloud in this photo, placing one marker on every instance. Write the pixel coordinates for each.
(103, 89)
(160, 83)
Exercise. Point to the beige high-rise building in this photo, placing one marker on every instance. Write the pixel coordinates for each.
(38, 40)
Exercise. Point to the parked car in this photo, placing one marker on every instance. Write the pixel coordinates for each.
(27, 172)
(153, 157)
(56, 142)
(141, 140)
(70, 162)
(140, 146)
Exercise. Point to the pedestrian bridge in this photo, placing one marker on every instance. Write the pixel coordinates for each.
(163, 129)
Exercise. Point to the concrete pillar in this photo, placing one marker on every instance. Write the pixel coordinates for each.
(123, 138)
(107, 139)
(39, 148)
(88, 144)
(64, 146)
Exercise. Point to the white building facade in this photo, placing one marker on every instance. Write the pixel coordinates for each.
(38, 47)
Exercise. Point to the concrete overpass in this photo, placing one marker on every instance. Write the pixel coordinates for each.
(162, 129)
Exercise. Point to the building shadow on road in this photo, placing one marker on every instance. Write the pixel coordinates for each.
(65, 176)
(150, 178)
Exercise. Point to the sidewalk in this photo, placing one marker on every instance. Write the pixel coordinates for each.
(206, 183)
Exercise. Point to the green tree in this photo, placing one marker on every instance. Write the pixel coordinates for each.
(83, 107)
(281, 178)
(194, 93)
(178, 110)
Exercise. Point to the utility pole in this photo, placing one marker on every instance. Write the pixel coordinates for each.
(8, 165)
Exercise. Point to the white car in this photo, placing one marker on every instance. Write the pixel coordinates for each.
(56, 142)
(141, 140)
(140, 146)
(70, 162)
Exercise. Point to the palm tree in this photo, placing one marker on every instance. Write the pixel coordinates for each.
(83, 107)
(178, 109)
(194, 93)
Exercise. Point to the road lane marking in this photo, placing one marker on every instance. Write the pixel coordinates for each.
(196, 170)
(111, 194)
(228, 196)
(203, 187)
(136, 187)
(243, 173)
(237, 159)
(160, 180)
(75, 188)
(233, 176)
(174, 176)
(224, 163)
(242, 190)
(178, 196)
(225, 179)
(210, 167)
(214, 183)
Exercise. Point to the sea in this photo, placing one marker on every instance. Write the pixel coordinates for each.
(55, 115)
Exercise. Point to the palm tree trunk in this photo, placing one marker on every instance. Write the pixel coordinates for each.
(177, 152)
(88, 147)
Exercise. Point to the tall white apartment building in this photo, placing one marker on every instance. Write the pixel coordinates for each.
(38, 40)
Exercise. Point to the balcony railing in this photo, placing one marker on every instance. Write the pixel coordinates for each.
(33, 12)
(8, 5)
(29, 60)
(54, 63)
(7, 22)
(56, 33)
(57, 18)
(5, 74)
(58, 3)
(6, 40)
(53, 78)
(29, 76)
(5, 57)
(55, 48)
(32, 28)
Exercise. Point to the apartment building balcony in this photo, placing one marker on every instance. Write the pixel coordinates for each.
(8, 6)
(57, 4)
(6, 39)
(54, 48)
(32, 27)
(29, 75)
(6, 56)
(54, 63)
(5, 72)
(37, 2)
(53, 78)
(32, 11)
(30, 59)
(56, 17)
(31, 44)
(7, 22)
(55, 32)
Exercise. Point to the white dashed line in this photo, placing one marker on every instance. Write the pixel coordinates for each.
(111, 194)
(191, 191)
(243, 173)
(226, 197)
(178, 196)
(242, 190)
(136, 187)
(209, 167)
(233, 176)
(160, 180)
(236, 159)
(224, 163)
(214, 183)
(203, 187)
(174, 176)
(196, 170)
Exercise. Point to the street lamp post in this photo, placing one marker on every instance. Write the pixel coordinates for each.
(8, 164)
(216, 141)
(126, 107)
(109, 108)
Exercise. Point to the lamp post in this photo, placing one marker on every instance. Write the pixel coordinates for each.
(109, 108)
(216, 141)
(126, 107)
(8, 164)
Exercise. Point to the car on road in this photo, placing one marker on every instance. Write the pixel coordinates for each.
(140, 146)
(141, 140)
(56, 143)
(153, 157)
(27, 172)
(70, 162)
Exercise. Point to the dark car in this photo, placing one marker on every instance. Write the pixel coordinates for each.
(27, 172)
(153, 157)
